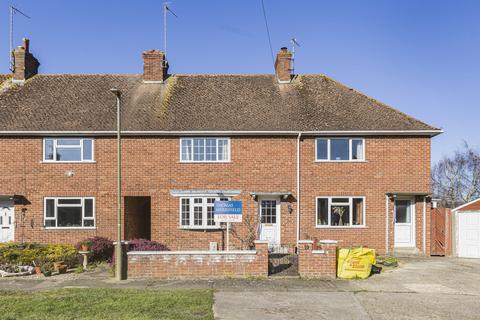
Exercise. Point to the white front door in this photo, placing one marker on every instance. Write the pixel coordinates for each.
(270, 221)
(404, 223)
(468, 234)
(6, 220)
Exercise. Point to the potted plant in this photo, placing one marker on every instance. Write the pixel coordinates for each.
(37, 263)
(47, 269)
(85, 245)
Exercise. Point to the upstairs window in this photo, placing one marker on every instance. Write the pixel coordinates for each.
(67, 150)
(197, 212)
(205, 149)
(69, 212)
(340, 149)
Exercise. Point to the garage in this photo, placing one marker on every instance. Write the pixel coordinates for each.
(467, 231)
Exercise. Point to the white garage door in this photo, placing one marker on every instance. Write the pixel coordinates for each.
(469, 234)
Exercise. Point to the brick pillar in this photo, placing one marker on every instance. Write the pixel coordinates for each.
(261, 247)
(305, 248)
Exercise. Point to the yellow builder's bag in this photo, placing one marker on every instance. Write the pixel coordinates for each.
(355, 263)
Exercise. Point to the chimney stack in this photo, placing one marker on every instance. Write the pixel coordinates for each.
(25, 65)
(283, 65)
(155, 66)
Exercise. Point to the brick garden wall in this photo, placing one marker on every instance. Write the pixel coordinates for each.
(152, 168)
(185, 264)
(319, 263)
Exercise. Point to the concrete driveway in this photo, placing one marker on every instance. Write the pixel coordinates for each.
(421, 288)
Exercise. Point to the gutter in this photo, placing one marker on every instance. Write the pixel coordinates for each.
(298, 187)
(430, 133)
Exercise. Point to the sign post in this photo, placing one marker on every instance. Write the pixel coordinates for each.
(228, 211)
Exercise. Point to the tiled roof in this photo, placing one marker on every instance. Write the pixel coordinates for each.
(194, 103)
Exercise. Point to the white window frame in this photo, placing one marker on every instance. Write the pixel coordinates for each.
(205, 150)
(350, 204)
(350, 139)
(54, 160)
(204, 206)
(82, 204)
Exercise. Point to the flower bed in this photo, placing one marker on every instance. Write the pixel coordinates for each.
(21, 258)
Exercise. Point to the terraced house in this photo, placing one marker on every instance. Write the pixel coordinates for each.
(309, 157)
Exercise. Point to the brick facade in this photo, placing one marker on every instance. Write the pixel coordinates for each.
(152, 168)
(181, 264)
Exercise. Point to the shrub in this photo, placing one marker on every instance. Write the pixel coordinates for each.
(145, 245)
(27, 253)
(141, 245)
(47, 269)
(101, 249)
(61, 252)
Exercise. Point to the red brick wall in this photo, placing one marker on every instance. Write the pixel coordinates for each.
(393, 164)
(321, 263)
(197, 265)
(151, 167)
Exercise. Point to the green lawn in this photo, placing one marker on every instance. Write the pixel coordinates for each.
(107, 304)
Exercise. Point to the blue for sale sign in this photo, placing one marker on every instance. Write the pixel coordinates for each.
(227, 211)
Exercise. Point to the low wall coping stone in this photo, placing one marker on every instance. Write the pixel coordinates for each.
(328, 241)
(306, 241)
(192, 252)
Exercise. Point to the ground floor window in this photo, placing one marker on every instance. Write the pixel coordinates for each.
(69, 212)
(340, 211)
(197, 212)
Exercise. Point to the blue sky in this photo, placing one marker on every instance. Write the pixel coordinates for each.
(421, 57)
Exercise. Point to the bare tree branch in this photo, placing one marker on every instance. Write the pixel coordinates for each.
(456, 179)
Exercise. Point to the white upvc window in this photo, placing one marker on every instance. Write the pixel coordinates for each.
(69, 212)
(68, 150)
(197, 212)
(340, 149)
(341, 211)
(205, 149)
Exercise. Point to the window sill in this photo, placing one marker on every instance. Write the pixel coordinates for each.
(70, 228)
(340, 161)
(60, 162)
(341, 227)
(210, 162)
(202, 228)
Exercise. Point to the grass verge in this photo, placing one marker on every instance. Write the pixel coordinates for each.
(115, 304)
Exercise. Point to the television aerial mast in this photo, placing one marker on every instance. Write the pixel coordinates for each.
(13, 12)
(295, 43)
(166, 9)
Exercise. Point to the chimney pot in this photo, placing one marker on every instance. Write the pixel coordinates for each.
(155, 66)
(26, 44)
(283, 65)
